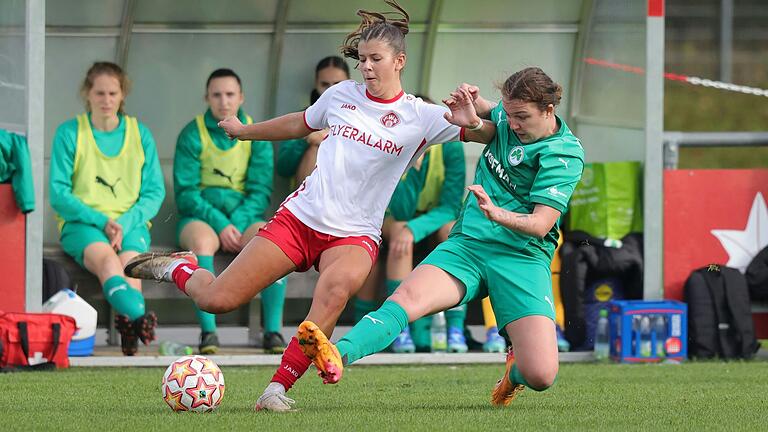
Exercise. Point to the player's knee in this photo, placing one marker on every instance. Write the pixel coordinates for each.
(411, 299)
(335, 296)
(107, 265)
(541, 379)
(205, 245)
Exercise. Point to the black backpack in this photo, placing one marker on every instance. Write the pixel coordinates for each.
(55, 278)
(757, 276)
(719, 314)
(584, 260)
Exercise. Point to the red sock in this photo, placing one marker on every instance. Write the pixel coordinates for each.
(292, 366)
(182, 273)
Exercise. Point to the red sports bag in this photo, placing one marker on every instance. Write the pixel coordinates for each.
(35, 339)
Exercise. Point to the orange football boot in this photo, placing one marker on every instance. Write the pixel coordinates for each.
(321, 351)
(505, 391)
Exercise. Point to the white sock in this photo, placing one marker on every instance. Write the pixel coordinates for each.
(169, 272)
(275, 387)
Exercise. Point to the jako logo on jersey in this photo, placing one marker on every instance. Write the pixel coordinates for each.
(348, 106)
(355, 134)
(556, 193)
(516, 155)
(390, 120)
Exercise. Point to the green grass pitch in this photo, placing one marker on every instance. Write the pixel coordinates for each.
(692, 396)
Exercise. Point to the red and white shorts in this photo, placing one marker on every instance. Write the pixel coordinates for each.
(303, 245)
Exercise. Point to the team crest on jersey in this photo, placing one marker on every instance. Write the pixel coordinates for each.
(516, 155)
(390, 120)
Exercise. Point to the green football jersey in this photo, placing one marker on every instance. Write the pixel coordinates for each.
(518, 176)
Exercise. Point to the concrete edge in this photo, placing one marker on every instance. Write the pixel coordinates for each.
(273, 360)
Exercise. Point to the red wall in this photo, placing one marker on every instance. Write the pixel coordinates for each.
(699, 201)
(12, 252)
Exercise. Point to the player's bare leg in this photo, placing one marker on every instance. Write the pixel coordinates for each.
(343, 271)
(534, 362)
(427, 290)
(258, 265)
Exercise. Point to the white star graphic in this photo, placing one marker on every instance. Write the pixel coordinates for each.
(742, 246)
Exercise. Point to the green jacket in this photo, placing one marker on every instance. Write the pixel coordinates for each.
(72, 209)
(217, 206)
(403, 206)
(289, 154)
(16, 167)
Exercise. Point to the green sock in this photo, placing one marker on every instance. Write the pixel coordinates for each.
(454, 317)
(517, 378)
(124, 298)
(206, 262)
(392, 286)
(420, 334)
(207, 320)
(373, 333)
(363, 308)
(272, 303)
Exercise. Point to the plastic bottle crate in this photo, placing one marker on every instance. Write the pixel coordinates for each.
(648, 331)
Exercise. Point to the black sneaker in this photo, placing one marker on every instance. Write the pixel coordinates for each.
(129, 342)
(274, 343)
(144, 327)
(209, 343)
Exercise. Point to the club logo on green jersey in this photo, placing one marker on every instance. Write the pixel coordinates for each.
(516, 155)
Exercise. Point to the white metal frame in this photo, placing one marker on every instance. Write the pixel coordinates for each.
(35, 105)
(653, 191)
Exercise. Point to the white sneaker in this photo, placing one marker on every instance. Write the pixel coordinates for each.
(274, 399)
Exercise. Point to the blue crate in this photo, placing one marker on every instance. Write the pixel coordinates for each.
(648, 331)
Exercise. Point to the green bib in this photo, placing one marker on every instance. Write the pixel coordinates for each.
(608, 200)
(222, 168)
(433, 184)
(110, 185)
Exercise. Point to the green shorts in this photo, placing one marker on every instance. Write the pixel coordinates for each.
(519, 283)
(75, 237)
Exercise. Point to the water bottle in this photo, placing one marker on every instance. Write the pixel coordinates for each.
(168, 348)
(439, 333)
(660, 333)
(602, 342)
(635, 334)
(645, 336)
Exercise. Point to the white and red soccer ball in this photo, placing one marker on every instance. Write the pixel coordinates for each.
(193, 383)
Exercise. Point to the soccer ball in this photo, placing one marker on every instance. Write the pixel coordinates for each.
(193, 383)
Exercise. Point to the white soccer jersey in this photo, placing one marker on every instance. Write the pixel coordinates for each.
(370, 144)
